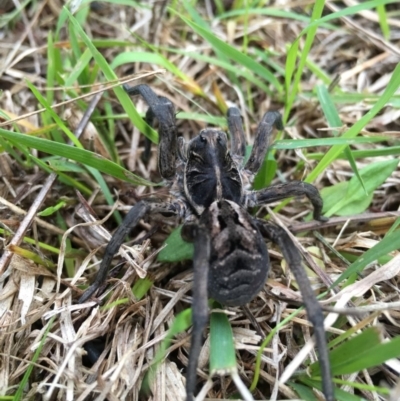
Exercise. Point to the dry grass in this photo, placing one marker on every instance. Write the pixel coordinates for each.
(41, 282)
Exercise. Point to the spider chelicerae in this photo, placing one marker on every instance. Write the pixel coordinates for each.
(209, 186)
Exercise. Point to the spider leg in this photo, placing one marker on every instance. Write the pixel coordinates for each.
(282, 191)
(201, 241)
(270, 120)
(140, 210)
(163, 110)
(279, 236)
(238, 141)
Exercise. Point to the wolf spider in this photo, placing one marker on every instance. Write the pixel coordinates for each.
(208, 186)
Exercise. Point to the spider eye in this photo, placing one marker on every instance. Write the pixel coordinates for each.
(203, 138)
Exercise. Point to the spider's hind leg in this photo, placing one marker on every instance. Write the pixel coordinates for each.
(292, 255)
(132, 219)
(201, 239)
(161, 109)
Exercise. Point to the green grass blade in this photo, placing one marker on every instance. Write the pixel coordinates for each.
(340, 395)
(79, 155)
(54, 116)
(332, 154)
(292, 88)
(373, 175)
(222, 353)
(381, 11)
(361, 352)
(197, 18)
(181, 323)
(21, 388)
(122, 96)
(367, 5)
(362, 154)
(248, 75)
(305, 392)
(270, 12)
(141, 287)
(176, 249)
(80, 65)
(309, 143)
(147, 57)
(234, 54)
(388, 244)
(332, 116)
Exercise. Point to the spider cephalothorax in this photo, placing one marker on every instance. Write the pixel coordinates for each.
(209, 188)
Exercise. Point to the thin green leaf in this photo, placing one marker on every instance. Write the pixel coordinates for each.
(332, 116)
(232, 68)
(362, 154)
(362, 352)
(340, 395)
(293, 88)
(222, 353)
(141, 287)
(147, 57)
(266, 173)
(363, 386)
(271, 12)
(122, 96)
(305, 392)
(21, 388)
(52, 209)
(54, 116)
(347, 350)
(176, 249)
(332, 154)
(78, 68)
(233, 53)
(307, 143)
(373, 176)
(181, 323)
(383, 20)
(79, 155)
(197, 18)
(345, 12)
(394, 226)
(388, 244)
(64, 165)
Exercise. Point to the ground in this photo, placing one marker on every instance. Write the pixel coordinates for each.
(331, 69)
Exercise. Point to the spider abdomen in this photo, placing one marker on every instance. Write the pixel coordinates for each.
(237, 279)
(239, 260)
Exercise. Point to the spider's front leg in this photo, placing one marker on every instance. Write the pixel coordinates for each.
(238, 140)
(200, 237)
(283, 191)
(161, 109)
(271, 120)
(278, 192)
(139, 211)
(292, 255)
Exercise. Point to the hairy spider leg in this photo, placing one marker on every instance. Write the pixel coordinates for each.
(131, 220)
(292, 255)
(200, 237)
(238, 140)
(163, 110)
(283, 191)
(271, 120)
